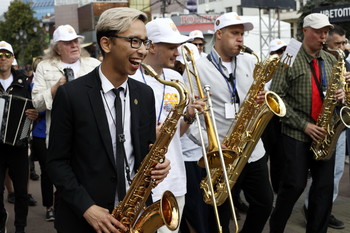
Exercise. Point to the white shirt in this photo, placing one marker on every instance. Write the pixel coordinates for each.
(74, 66)
(108, 97)
(166, 98)
(6, 82)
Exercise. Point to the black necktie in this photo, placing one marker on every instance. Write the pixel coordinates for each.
(120, 144)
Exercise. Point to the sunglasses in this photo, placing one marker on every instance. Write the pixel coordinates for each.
(7, 55)
(198, 44)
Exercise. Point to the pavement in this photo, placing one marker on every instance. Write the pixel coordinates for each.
(341, 209)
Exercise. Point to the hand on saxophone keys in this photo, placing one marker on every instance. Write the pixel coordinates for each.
(261, 97)
(340, 95)
(315, 132)
(102, 221)
(161, 171)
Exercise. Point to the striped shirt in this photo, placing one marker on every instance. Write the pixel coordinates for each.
(293, 85)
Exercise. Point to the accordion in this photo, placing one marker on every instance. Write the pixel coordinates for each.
(15, 126)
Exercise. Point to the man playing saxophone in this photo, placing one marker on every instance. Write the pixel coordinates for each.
(102, 126)
(230, 74)
(161, 57)
(302, 88)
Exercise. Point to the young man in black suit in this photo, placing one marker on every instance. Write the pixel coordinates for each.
(82, 160)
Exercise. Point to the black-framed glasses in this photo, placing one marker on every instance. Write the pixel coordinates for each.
(136, 42)
(7, 55)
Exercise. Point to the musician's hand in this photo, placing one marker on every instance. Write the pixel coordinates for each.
(54, 88)
(315, 132)
(102, 221)
(198, 104)
(161, 171)
(32, 114)
(261, 97)
(347, 77)
(159, 125)
(340, 95)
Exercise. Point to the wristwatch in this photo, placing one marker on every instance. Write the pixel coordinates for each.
(189, 120)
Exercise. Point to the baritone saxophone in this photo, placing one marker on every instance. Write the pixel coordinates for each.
(247, 127)
(165, 211)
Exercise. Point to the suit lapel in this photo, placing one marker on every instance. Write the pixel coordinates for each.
(100, 115)
(134, 96)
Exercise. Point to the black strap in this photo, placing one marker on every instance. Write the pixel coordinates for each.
(318, 84)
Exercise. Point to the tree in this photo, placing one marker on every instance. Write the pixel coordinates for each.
(311, 4)
(20, 17)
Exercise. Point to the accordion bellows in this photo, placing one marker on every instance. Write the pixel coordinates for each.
(15, 126)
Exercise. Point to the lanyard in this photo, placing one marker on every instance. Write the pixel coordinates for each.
(161, 106)
(322, 76)
(230, 81)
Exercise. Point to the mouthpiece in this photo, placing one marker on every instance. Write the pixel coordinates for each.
(324, 45)
(246, 49)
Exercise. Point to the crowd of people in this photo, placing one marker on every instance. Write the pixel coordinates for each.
(95, 120)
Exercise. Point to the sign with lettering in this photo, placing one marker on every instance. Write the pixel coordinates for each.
(336, 14)
(194, 19)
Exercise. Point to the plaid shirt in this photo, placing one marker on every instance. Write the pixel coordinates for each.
(293, 85)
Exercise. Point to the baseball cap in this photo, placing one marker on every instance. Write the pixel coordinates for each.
(276, 44)
(6, 46)
(164, 30)
(229, 19)
(317, 21)
(65, 33)
(193, 49)
(196, 34)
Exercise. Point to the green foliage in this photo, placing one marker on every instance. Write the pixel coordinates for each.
(20, 17)
(311, 4)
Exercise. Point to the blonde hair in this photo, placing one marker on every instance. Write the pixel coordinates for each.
(117, 20)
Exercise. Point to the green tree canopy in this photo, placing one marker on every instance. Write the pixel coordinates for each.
(19, 17)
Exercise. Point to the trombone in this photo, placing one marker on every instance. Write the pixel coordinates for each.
(215, 156)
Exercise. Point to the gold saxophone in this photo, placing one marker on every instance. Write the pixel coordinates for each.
(165, 211)
(247, 127)
(329, 119)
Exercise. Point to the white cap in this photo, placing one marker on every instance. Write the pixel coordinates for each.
(164, 30)
(276, 44)
(6, 46)
(317, 21)
(65, 33)
(229, 19)
(193, 49)
(14, 63)
(196, 34)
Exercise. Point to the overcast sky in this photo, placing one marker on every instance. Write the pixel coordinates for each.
(4, 5)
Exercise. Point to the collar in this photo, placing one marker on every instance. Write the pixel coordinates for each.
(321, 55)
(107, 85)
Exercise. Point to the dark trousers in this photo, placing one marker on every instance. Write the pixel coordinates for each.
(274, 149)
(196, 210)
(40, 152)
(255, 183)
(299, 159)
(15, 159)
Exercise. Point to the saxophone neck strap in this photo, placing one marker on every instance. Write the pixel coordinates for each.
(317, 81)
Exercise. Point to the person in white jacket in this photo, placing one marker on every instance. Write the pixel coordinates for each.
(65, 52)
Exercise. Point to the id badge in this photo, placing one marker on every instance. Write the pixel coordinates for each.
(230, 110)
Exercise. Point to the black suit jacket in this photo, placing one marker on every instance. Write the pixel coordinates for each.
(80, 160)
